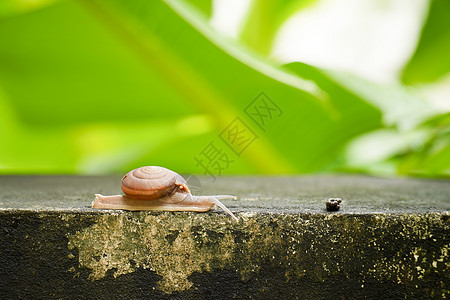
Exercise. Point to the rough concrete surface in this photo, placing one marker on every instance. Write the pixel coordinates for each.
(389, 240)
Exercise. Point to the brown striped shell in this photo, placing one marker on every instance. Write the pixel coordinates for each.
(152, 182)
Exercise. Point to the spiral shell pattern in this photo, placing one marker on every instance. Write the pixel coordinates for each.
(151, 182)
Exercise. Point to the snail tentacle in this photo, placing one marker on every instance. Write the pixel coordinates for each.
(220, 204)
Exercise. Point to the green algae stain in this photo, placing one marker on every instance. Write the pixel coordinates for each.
(315, 247)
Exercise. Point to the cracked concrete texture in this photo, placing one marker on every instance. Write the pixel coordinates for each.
(390, 240)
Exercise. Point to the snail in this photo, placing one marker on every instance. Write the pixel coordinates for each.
(158, 188)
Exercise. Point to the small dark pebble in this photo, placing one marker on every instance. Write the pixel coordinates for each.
(333, 204)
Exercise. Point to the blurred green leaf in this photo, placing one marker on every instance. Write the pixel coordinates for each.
(10, 8)
(78, 71)
(305, 118)
(431, 60)
(414, 139)
(116, 82)
(264, 19)
(205, 6)
(402, 107)
(121, 84)
(432, 154)
(419, 151)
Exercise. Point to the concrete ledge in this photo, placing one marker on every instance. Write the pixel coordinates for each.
(389, 240)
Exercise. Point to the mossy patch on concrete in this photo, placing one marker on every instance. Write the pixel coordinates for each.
(174, 246)
(401, 249)
(389, 240)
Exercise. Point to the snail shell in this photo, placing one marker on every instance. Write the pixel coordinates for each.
(158, 188)
(148, 183)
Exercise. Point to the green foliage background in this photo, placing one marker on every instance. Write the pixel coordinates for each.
(96, 86)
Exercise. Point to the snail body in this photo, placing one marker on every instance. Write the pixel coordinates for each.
(158, 188)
